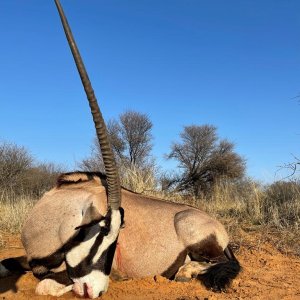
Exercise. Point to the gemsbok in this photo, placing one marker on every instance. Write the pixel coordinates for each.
(72, 236)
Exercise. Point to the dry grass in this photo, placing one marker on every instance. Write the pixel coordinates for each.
(139, 180)
(14, 210)
(274, 211)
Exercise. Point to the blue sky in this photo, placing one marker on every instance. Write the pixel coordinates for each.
(232, 64)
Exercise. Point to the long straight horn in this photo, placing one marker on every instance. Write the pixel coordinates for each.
(113, 181)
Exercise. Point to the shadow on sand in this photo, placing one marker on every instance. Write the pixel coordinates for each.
(9, 283)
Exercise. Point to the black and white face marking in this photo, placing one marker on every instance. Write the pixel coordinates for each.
(89, 263)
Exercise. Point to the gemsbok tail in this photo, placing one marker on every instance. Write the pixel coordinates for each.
(219, 275)
(14, 265)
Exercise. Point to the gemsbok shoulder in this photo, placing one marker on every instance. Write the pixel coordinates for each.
(72, 236)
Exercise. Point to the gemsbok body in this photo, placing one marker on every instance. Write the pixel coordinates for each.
(72, 236)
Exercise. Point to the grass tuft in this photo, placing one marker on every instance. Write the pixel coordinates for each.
(14, 210)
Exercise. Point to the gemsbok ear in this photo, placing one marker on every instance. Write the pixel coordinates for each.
(91, 217)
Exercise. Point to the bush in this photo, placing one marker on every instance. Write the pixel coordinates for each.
(204, 159)
(14, 161)
(20, 175)
(281, 205)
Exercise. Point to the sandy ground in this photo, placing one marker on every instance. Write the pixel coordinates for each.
(267, 274)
